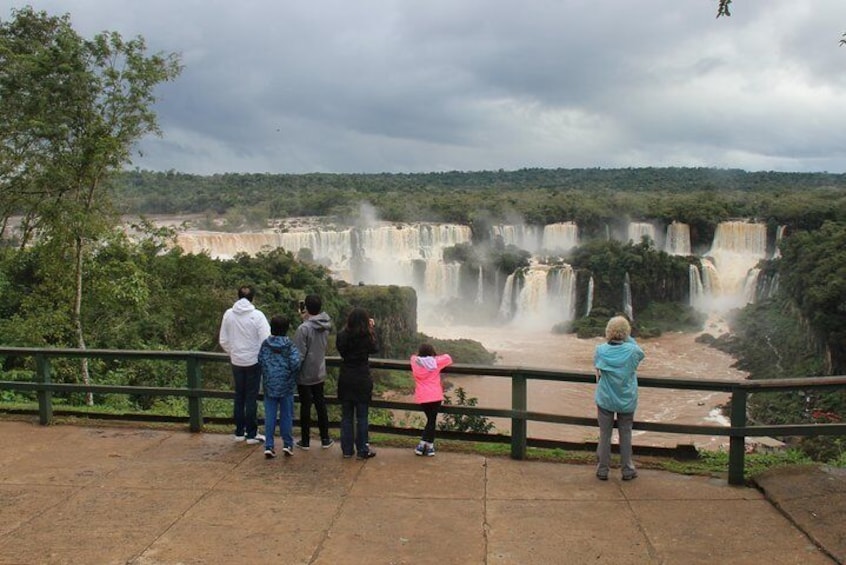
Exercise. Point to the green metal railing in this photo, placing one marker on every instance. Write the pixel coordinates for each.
(519, 414)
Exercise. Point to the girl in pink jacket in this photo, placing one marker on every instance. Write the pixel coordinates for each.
(426, 367)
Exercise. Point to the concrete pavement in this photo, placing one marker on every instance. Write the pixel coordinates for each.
(76, 494)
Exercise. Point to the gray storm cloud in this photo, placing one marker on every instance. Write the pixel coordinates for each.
(417, 86)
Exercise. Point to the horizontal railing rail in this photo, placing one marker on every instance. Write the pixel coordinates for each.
(518, 414)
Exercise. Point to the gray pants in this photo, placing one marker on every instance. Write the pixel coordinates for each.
(603, 450)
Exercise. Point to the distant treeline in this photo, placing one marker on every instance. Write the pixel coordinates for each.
(593, 198)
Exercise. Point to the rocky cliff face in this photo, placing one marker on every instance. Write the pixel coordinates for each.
(394, 309)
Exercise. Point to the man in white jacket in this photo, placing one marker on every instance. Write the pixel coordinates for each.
(242, 331)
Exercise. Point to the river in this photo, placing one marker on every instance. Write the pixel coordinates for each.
(671, 355)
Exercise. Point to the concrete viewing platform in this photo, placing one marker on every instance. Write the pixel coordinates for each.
(75, 494)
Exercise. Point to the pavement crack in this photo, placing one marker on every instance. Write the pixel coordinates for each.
(654, 556)
(335, 516)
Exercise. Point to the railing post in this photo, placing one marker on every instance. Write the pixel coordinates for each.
(737, 443)
(195, 402)
(45, 397)
(518, 424)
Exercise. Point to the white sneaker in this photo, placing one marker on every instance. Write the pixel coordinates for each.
(256, 440)
(238, 438)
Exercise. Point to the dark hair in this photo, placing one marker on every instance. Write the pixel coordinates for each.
(246, 291)
(426, 350)
(313, 304)
(279, 325)
(358, 322)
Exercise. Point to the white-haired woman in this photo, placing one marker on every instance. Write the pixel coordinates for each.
(616, 363)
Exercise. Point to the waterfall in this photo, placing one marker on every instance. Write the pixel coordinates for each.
(525, 237)
(561, 237)
(440, 280)
(750, 285)
(697, 289)
(545, 296)
(563, 292)
(677, 240)
(505, 306)
(480, 288)
(637, 230)
(779, 236)
(767, 286)
(737, 248)
(413, 255)
(627, 298)
(589, 297)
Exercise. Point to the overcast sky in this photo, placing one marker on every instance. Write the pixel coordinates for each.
(436, 85)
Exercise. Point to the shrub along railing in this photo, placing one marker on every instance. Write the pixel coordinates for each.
(519, 414)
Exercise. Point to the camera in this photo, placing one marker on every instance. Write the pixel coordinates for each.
(301, 306)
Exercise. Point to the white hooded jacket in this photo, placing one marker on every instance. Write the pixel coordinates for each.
(242, 332)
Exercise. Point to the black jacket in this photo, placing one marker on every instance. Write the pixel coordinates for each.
(354, 381)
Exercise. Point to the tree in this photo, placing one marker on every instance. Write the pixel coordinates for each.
(723, 9)
(72, 111)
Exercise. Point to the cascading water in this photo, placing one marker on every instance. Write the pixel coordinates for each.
(589, 297)
(480, 287)
(737, 248)
(697, 289)
(560, 237)
(525, 237)
(750, 285)
(505, 305)
(545, 295)
(627, 298)
(779, 236)
(677, 240)
(412, 255)
(638, 230)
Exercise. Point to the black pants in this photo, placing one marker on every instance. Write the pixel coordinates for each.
(431, 411)
(313, 394)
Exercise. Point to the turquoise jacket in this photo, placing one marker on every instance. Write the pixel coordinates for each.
(617, 362)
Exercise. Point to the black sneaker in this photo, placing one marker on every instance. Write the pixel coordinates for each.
(288, 450)
(269, 453)
(629, 476)
(327, 443)
(366, 455)
(301, 445)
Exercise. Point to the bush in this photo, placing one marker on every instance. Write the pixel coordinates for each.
(463, 422)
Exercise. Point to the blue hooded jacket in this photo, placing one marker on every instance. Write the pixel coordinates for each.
(280, 362)
(617, 364)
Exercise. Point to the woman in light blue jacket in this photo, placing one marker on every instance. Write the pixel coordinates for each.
(616, 363)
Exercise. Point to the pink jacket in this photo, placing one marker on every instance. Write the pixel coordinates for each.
(427, 377)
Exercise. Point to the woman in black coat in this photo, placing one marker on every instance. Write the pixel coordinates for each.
(355, 342)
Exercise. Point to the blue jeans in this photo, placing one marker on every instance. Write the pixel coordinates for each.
(283, 406)
(247, 383)
(354, 412)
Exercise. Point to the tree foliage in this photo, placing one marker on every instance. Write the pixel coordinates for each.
(72, 111)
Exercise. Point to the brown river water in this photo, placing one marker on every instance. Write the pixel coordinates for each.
(671, 355)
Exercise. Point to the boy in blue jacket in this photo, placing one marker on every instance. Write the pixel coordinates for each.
(280, 363)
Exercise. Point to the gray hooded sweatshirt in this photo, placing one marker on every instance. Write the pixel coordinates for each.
(311, 339)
